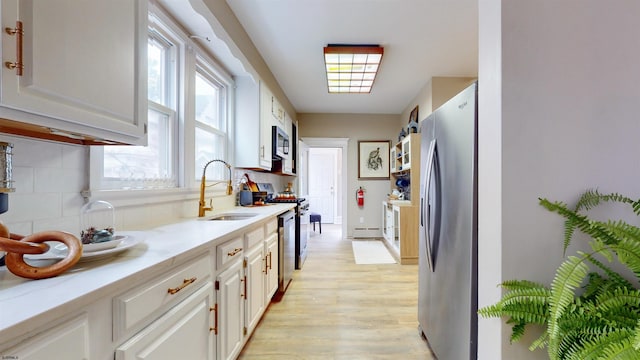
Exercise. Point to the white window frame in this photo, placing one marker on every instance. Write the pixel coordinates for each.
(190, 56)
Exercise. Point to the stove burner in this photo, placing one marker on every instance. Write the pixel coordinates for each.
(289, 200)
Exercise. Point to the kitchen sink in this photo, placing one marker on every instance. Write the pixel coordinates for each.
(230, 217)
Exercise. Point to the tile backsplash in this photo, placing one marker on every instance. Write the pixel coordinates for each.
(48, 180)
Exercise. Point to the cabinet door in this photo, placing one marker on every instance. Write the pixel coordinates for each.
(84, 64)
(406, 153)
(184, 332)
(392, 159)
(230, 300)
(396, 234)
(255, 278)
(272, 257)
(266, 124)
(287, 163)
(277, 112)
(69, 341)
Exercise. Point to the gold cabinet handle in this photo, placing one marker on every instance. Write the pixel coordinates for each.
(244, 280)
(215, 321)
(234, 252)
(270, 260)
(18, 31)
(182, 286)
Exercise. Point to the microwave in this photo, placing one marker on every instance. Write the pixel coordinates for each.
(280, 142)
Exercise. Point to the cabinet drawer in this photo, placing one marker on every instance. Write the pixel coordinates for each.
(69, 340)
(271, 227)
(254, 237)
(229, 251)
(134, 306)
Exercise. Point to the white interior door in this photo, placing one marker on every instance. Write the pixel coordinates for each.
(323, 183)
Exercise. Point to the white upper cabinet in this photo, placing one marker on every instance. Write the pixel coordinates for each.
(83, 66)
(253, 124)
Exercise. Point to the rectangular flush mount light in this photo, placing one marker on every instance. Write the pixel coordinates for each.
(351, 68)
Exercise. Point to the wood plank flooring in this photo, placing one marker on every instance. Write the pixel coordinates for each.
(335, 309)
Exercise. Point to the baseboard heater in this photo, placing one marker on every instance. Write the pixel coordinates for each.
(366, 232)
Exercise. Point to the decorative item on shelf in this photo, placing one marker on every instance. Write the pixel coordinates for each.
(402, 182)
(97, 219)
(413, 127)
(402, 134)
(413, 121)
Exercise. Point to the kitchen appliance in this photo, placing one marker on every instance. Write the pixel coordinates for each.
(245, 197)
(280, 143)
(6, 175)
(448, 239)
(286, 249)
(302, 222)
(302, 232)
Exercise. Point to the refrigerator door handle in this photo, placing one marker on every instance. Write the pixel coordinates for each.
(426, 206)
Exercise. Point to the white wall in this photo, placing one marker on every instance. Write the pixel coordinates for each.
(558, 89)
(355, 127)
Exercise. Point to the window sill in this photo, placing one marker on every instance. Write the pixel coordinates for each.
(126, 198)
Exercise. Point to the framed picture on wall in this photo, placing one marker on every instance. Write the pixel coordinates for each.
(373, 159)
(413, 116)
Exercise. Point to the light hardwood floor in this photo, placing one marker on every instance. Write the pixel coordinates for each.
(335, 309)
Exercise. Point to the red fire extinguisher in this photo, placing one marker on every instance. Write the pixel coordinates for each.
(360, 197)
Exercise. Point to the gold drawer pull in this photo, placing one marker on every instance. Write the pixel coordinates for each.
(182, 286)
(234, 252)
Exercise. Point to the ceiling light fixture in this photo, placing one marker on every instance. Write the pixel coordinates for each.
(351, 68)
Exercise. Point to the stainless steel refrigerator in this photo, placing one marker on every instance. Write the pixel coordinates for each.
(448, 260)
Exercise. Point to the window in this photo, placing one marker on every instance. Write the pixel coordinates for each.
(210, 121)
(188, 98)
(151, 166)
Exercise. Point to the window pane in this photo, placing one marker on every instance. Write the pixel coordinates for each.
(143, 166)
(207, 103)
(209, 146)
(157, 81)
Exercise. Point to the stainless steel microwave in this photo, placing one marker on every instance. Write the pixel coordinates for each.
(280, 143)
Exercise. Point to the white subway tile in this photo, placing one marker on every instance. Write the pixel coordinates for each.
(37, 154)
(23, 207)
(23, 179)
(21, 228)
(71, 204)
(75, 157)
(68, 224)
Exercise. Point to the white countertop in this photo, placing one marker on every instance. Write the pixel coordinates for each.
(159, 249)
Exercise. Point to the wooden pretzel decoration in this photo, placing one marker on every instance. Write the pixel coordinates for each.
(16, 246)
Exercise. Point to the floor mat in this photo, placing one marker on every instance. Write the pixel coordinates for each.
(371, 252)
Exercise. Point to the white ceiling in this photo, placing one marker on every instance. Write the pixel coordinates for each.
(421, 39)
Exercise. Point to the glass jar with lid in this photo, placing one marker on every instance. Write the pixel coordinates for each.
(97, 221)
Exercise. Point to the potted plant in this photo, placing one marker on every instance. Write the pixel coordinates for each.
(589, 311)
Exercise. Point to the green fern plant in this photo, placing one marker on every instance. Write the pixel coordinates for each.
(602, 319)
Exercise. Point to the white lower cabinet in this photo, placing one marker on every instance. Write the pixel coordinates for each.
(255, 278)
(68, 341)
(254, 272)
(230, 311)
(271, 254)
(205, 308)
(184, 332)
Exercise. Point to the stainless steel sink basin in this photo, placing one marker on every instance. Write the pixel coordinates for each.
(230, 217)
